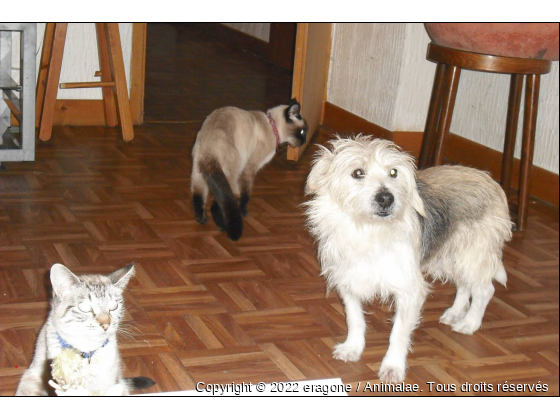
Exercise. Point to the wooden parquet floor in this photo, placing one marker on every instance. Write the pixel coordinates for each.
(206, 309)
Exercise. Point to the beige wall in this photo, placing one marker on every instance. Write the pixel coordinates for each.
(364, 69)
(379, 72)
(258, 30)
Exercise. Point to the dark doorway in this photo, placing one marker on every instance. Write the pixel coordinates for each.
(193, 69)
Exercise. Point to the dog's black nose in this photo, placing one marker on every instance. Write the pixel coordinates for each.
(384, 199)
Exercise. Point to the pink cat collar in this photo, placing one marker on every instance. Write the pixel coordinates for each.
(274, 128)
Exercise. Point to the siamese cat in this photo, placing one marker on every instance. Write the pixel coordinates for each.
(230, 148)
(85, 317)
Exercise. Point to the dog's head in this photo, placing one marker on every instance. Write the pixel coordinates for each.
(367, 178)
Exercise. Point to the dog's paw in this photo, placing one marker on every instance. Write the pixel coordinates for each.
(451, 316)
(348, 352)
(391, 374)
(466, 326)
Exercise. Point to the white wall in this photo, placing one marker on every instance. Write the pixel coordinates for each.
(80, 60)
(258, 30)
(379, 72)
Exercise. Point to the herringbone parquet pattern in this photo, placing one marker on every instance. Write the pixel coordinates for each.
(203, 308)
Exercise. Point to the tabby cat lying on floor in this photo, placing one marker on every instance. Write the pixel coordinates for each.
(85, 316)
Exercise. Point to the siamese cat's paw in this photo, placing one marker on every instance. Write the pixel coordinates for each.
(203, 220)
(199, 212)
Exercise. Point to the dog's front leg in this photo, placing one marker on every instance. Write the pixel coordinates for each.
(407, 316)
(352, 348)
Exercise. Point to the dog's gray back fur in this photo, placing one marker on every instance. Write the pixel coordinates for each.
(436, 226)
(451, 199)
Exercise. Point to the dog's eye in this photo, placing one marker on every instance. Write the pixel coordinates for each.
(393, 172)
(302, 132)
(358, 174)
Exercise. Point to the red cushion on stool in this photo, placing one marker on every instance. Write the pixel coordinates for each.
(521, 40)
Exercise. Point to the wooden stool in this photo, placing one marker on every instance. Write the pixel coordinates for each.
(113, 78)
(449, 64)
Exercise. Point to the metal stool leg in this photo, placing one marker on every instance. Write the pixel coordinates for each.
(27, 100)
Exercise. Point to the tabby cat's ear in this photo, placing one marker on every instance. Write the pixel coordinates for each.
(121, 277)
(62, 279)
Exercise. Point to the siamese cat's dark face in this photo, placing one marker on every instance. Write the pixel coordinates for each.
(294, 129)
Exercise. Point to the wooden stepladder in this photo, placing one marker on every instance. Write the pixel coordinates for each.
(113, 78)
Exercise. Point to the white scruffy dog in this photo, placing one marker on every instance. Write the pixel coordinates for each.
(380, 225)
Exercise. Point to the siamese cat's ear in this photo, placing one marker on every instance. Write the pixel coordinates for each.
(293, 110)
(319, 170)
(121, 277)
(62, 279)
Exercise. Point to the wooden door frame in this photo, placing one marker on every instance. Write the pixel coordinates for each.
(138, 72)
(298, 80)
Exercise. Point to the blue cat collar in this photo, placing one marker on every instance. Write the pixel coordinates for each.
(85, 355)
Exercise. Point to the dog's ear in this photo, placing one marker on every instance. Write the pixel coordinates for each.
(418, 203)
(319, 170)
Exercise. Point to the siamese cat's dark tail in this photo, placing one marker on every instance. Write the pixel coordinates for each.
(225, 209)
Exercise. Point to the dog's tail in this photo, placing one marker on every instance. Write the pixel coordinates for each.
(501, 275)
(139, 382)
(226, 213)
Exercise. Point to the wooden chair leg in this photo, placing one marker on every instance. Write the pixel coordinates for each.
(432, 120)
(117, 66)
(532, 87)
(105, 65)
(43, 68)
(514, 102)
(53, 77)
(451, 83)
